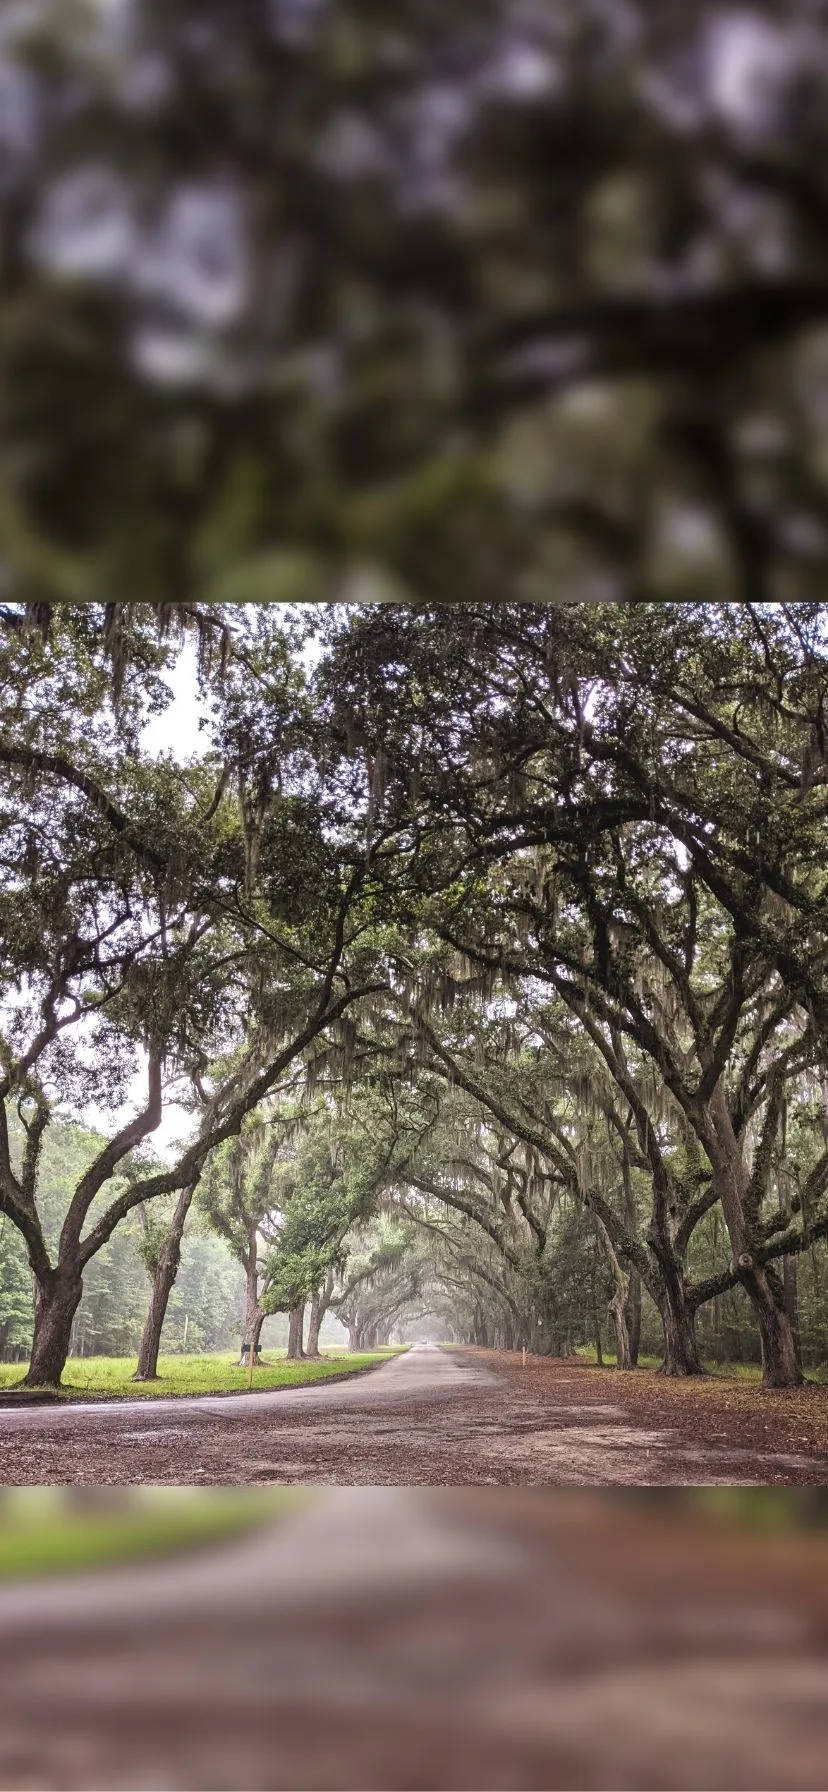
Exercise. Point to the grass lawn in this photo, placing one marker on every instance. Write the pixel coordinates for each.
(102, 1377)
(43, 1531)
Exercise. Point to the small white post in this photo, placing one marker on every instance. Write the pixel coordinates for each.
(524, 1356)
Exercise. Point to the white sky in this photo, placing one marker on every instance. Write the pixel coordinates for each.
(175, 730)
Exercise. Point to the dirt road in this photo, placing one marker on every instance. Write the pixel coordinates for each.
(429, 1418)
(390, 1638)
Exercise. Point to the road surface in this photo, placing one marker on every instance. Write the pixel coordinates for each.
(428, 1418)
(389, 1638)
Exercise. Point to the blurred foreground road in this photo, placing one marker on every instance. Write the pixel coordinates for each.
(427, 1418)
(401, 1639)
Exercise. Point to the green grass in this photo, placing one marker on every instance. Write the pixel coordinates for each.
(585, 1353)
(44, 1532)
(101, 1377)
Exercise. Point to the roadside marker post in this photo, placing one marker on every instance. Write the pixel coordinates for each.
(524, 1356)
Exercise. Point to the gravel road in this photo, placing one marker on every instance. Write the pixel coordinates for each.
(428, 1418)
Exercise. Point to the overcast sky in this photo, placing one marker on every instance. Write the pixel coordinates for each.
(174, 730)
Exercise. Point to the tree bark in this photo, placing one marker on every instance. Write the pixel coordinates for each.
(618, 1304)
(681, 1354)
(790, 1283)
(57, 1298)
(764, 1288)
(596, 1324)
(634, 1316)
(780, 1357)
(253, 1315)
(314, 1322)
(162, 1287)
(297, 1319)
(623, 1355)
(633, 1310)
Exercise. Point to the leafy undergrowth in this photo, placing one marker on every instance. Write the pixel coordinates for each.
(46, 1531)
(720, 1410)
(111, 1377)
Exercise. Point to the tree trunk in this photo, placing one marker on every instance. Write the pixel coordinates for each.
(314, 1324)
(763, 1287)
(596, 1324)
(790, 1284)
(623, 1354)
(57, 1299)
(618, 1304)
(634, 1316)
(633, 1308)
(253, 1315)
(681, 1355)
(162, 1287)
(297, 1320)
(780, 1357)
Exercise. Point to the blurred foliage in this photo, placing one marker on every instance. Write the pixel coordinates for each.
(46, 1532)
(302, 301)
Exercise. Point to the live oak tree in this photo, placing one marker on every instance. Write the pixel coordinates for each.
(323, 1189)
(486, 1204)
(98, 947)
(275, 1195)
(238, 1197)
(466, 1184)
(474, 1189)
(546, 1243)
(117, 635)
(559, 1134)
(152, 914)
(382, 1281)
(112, 1310)
(600, 811)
